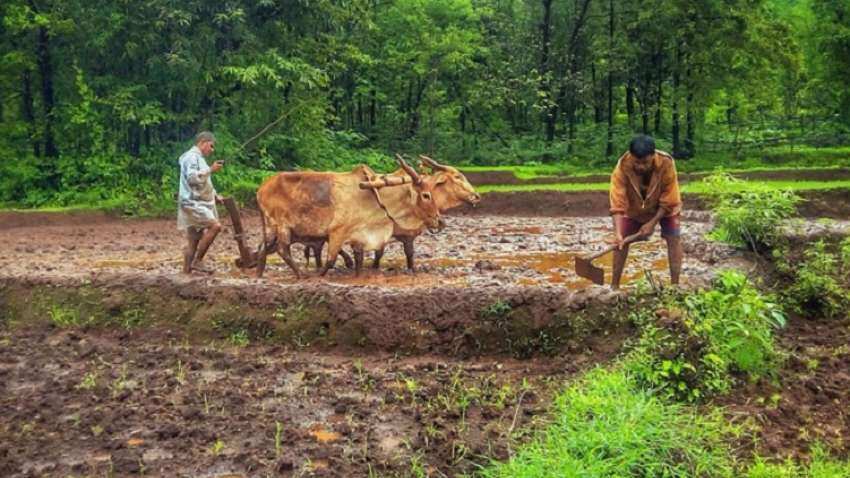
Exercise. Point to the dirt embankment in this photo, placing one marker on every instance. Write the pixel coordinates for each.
(833, 204)
(480, 178)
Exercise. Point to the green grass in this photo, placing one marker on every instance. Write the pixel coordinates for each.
(606, 426)
(695, 187)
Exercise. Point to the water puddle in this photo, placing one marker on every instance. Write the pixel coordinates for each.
(322, 435)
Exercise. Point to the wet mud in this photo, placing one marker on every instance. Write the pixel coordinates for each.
(149, 402)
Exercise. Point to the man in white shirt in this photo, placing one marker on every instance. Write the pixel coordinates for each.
(196, 213)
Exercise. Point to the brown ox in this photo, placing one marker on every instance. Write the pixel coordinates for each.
(451, 189)
(309, 207)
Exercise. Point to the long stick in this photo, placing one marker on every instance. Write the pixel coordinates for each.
(269, 126)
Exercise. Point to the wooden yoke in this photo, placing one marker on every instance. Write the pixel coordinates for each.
(384, 181)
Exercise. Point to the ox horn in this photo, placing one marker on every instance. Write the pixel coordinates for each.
(407, 169)
(432, 164)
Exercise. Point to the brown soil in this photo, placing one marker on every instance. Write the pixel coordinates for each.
(480, 178)
(808, 403)
(152, 402)
(833, 204)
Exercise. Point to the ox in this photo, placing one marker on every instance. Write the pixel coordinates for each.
(341, 208)
(451, 189)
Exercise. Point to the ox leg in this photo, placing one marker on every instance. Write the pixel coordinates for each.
(334, 248)
(358, 260)
(262, 253)
(345, 257)
(376, 264)
(307, 250)
(285, 251)
(317, 253)
(408, 253)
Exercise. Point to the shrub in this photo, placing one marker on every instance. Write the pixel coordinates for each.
(746, 216)
(604, 425)
(689, 349)
(816, 287)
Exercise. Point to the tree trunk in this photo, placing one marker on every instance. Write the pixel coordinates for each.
(690, 148)
(674, 98)
(609, 145)
(597, 92)
(571, 60)
(29, 112)
(373, 107)
(550, 114)
(630, 103)
(45, 69)
(659, 96)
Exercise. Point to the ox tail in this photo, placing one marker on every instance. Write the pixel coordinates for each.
(262, 225)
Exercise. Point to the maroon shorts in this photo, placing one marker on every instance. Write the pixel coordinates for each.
(669, 226)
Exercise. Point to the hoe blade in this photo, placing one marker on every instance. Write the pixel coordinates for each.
(586, 269)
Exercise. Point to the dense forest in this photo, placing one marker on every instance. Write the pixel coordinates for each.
(99, 97)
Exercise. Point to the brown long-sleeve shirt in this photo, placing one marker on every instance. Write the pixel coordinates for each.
(662, 192)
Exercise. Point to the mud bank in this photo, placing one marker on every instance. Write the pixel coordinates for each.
(830, 203)
(480, 178)
(449, 321)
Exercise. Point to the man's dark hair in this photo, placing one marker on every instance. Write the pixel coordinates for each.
(642, 145)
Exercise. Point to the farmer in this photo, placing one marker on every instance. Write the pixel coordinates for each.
(644, 192)
(196, 213)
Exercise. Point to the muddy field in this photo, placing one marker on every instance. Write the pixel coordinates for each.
(473, 251)
(387, 374)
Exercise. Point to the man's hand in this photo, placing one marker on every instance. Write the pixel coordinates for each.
(219, 199)
(617, 240)
(647, 229)
(216, 166)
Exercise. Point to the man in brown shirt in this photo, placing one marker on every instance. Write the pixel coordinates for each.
(645, 191)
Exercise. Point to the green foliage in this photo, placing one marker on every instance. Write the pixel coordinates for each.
(819, 282)
(605, 425)
(63, 316)
(690, 348)
(497, 310)
(750, 218)
(329, 85)
(820, 466)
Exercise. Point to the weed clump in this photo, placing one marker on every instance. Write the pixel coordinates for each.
(818, 283)
(690, 348)
(748, 217)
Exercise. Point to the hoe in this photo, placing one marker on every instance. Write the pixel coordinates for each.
(586, 269)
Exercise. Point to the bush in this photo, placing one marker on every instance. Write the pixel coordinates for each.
(604, 426)
(816, 287)
(689, 349)
(748, 217)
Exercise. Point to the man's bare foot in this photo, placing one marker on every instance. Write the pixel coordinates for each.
(200, 266)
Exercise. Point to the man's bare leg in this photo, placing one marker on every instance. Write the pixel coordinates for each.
(204, 244)
(193, 236)
(620, 256)
(674, 257)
